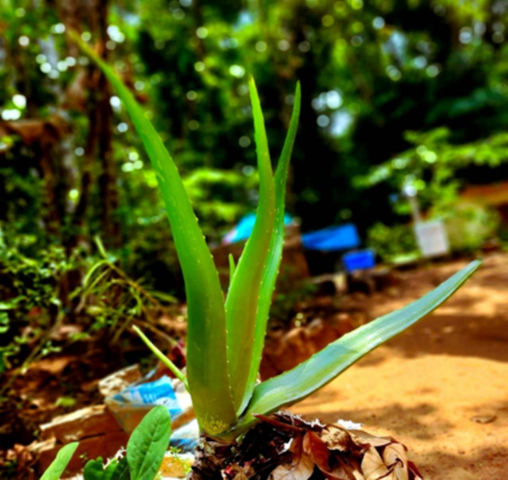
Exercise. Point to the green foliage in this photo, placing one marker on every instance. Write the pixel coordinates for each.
(63, 457)
(114, 470)
(32, 282)
(113, 299)
(30, 303)
(392, 242)
(145, 452)
(371, 70)
(148, 444)
(219, 197)
(34, 300)
(431, 166)
(250, 292)
(288, 300)
(468, 225)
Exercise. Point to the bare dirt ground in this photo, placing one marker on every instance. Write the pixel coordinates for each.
(440, 388)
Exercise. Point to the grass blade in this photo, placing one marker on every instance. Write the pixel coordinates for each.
(296, 384)
(243, 296)
(206, 339)
(271, 270)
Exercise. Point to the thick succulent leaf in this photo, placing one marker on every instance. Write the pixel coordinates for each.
(243, 295)
(232, 266)
(59, 464)
(206, 339)
(148, 444)
(296, 384)
(271, 270)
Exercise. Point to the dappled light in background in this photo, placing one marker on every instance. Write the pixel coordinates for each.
(401, 157)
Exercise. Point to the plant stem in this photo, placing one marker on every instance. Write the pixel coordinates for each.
(165, 360)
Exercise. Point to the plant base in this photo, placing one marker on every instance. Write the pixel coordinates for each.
(284, 446)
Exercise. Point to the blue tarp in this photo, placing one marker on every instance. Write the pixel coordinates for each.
(244, 228)
(334, 238)
(330, 239)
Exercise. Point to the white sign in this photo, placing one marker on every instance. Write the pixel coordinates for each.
(432, 238)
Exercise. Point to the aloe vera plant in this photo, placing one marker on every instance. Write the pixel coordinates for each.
(226, 332)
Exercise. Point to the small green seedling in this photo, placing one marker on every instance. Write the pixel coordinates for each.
(145, 452)
(226, 333)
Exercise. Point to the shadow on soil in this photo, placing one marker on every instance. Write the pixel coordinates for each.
(411, 420)
(419, 422)
(486, 464)
(474, 323)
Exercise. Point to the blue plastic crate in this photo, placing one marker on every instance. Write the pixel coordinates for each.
(359, 260)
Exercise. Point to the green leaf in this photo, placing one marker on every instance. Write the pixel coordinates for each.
(243, 296)
(296, 384)
(121, 471)
(94, 470)
(232, 266)
(4, 322)
(271, 270)
(116, 470)
(148, 444)
(63, 457)
(92, 270)
(207, 370)
(10, 304)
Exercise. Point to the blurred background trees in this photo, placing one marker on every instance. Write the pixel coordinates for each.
(395, 93)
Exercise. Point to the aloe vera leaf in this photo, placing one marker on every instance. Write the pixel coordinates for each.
(296, 384)
(271, 270)
(165, 360)
(59, 464)
(207, 370)
(148, 444)
(243, 295)
(232, 266)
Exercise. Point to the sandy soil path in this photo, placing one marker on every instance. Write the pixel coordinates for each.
(441, 388)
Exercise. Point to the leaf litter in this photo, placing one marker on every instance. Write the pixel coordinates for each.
(286, 447)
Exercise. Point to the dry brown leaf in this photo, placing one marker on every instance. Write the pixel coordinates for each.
(340, 471)
(363, 438)
(317, 449)
(373, 467)
(320, 454)
(351, 466)
(354, 468)
(301, 466)
(395, 457)
(414, 470)
(337, 438)
(301, 470)
(393, 453)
